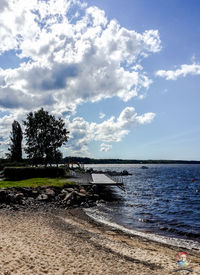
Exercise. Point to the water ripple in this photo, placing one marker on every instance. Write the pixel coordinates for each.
(164, 199)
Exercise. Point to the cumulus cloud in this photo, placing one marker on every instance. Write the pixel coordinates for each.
(105, 147)
(113, 130)
(73, 51)
(101, 115)
(110, 130)
(4, 5)
(183, 71)
(5, 129)
(22, 100)
(71, 54)
(82, 132)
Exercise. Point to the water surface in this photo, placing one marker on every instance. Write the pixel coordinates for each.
(164, 199)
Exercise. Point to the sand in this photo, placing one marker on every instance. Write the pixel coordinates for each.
(67, 242)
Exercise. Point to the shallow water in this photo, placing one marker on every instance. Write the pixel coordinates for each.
(164, 199)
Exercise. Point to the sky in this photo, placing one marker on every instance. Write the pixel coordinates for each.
(123, 75)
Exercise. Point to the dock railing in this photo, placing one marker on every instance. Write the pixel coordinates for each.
(118, 180)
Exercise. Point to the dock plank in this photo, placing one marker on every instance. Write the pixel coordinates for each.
(102, 179)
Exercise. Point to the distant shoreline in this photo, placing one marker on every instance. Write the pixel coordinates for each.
(89, 161)
(125, 161)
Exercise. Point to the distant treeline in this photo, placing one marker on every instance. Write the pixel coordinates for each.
(125, 161)
(25, 162)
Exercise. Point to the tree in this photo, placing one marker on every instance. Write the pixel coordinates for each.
(16, 137)
(44, 135)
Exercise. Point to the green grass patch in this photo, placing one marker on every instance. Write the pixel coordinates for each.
(35, 182)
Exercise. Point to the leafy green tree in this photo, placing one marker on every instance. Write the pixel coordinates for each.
(44, 135)
(16, 137)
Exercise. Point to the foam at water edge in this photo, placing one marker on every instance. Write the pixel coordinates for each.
(188, 244)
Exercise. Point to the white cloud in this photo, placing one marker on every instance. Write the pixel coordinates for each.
(110, 130)
(4, 5)
(5, 129)
(98, 16)
(72, 57)
(183, 71)
(105, 147)
(71, 54)
(113, 130)
(101, 115)
(82, 133)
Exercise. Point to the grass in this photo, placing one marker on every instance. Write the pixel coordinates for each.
(35, 182)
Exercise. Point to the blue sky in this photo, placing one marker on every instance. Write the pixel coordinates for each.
(124, 75)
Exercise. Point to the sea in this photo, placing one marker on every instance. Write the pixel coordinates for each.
(161, 203)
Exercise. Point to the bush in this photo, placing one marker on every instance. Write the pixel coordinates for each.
(18, 173)
(8, 163)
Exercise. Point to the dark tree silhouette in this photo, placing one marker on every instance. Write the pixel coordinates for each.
(16, 137)
(44, 135)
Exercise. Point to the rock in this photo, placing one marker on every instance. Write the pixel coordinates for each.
(90, 170)
(68, 202)
(30, 200)
(42, 197)
(11, 198)
(91, 189)
(96, 196)
(27, 191)
(35, 193)
(125, 173)
(61, 196)
(80, 194)
(83, 191)
(3, 196)
(15, 208)
(101, 201)
(50, 193)
(69, 189)
(64, 191)
(19, 197)
(90, 194)
(92, 203)
(69, 196)
(8, 196)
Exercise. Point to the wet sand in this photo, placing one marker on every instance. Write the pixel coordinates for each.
(56, 241)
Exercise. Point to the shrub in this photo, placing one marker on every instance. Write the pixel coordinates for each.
(18, 173)
(8, 163)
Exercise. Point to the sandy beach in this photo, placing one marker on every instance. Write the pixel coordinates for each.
(57, 241)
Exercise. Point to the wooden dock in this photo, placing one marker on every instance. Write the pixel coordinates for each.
(102, 179)
(98, 179)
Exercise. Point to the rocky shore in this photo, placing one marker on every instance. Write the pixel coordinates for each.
(66, 197)
(111, 173)
(44, 230)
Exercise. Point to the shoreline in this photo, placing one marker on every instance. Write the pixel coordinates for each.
(55, 241)
(178, 241)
